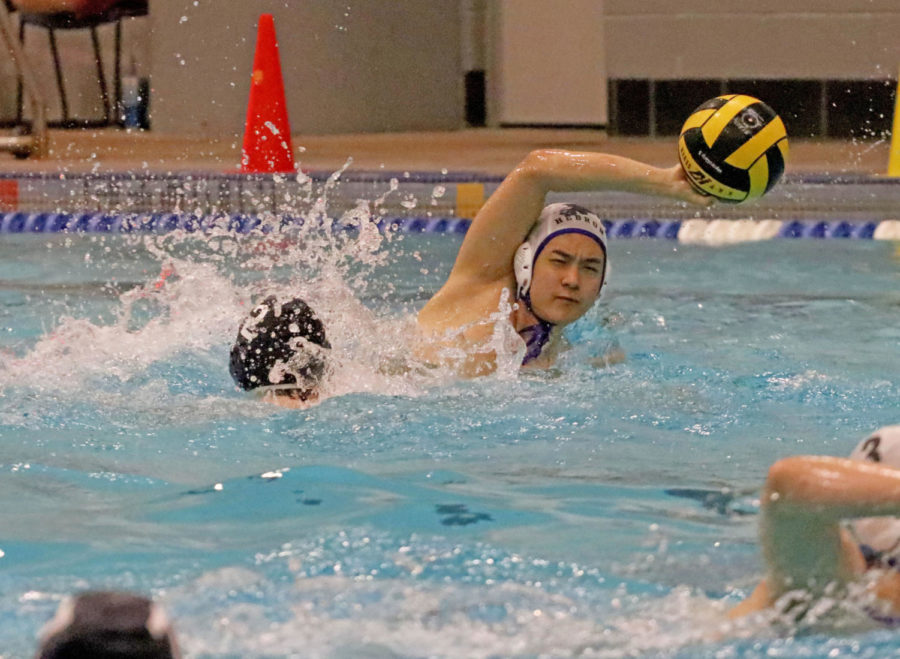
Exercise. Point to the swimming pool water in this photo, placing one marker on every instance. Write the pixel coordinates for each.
(588, 512)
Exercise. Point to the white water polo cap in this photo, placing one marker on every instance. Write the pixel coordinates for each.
(555, 220)
(882, 446)
(881, 534)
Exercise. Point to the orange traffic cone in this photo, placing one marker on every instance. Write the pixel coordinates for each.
(267, 133)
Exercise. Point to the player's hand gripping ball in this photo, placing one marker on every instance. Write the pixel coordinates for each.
(733, 147)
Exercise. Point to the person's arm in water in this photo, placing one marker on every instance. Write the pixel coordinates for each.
(804, 500)
(501, 225)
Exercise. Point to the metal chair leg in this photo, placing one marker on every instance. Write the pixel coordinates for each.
(104, 91)
(118, 75)
(111, 98)
(20, 103)
(59, 76)
(34, 140)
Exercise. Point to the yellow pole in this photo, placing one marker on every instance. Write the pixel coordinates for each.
(894, 161)
(469, 199)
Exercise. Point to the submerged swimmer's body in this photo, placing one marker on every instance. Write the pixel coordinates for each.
(548, 264)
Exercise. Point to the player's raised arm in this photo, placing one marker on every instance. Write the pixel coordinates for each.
(501, 225)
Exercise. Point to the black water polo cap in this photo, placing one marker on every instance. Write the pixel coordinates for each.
(108, 625)
(280, 344)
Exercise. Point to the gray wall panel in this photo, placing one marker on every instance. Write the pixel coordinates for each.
(367, 65)
(693, 40)
(673, 7)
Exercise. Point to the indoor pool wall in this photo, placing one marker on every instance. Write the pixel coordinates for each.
(811, 206)
(412, 194)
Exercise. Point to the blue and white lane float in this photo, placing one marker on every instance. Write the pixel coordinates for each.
(695, 231)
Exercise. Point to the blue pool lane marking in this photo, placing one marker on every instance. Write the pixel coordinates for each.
(700, 231)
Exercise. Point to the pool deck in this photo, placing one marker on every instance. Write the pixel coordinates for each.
(489, 151)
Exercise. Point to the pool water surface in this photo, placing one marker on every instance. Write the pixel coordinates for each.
(586, 511)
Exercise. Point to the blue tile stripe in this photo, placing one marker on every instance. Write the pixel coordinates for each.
(20, 222)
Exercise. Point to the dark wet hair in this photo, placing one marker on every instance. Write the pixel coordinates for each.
(108, 625)
(278, 334)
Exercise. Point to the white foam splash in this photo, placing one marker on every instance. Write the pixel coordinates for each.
(195, 311)
(209, 281)
(351, 616)
(797, 381)
(505, 341)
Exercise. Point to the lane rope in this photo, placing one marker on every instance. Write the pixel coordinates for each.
(694, 231)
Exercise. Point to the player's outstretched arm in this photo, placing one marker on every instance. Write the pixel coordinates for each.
(503, 222)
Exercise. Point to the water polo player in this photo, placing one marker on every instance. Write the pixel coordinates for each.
(550, 264)
(281, 352)
(108, 625)
(810, 548)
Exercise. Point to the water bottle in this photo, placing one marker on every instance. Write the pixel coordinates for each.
(130, 112)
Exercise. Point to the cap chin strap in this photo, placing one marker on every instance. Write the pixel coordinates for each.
(526, 300)
(535, 336)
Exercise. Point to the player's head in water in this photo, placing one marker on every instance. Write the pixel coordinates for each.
(281, 351)
(561, 266)
(826, 522)
(108, 625)
(879, 534)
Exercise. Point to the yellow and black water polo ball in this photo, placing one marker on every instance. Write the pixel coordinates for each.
(733, 147)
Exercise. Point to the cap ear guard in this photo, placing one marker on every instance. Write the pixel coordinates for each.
(522, 264)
